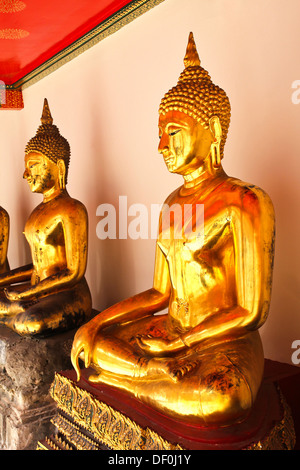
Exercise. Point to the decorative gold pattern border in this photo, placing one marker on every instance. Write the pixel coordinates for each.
(73, 434)
(116, 431)
(121, 18)
(54, 443)
(106, 424)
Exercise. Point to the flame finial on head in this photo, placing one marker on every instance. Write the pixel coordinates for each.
(46, 115)
(191, 58)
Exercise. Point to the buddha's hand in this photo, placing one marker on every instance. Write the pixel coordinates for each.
(12, 295)
(17, 296)
(159, 346)
(82, 347)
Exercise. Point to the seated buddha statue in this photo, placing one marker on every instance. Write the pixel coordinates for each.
(202, 360)
(51, 294)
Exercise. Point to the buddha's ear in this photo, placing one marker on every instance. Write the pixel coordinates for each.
(216, 130)
(61, 173)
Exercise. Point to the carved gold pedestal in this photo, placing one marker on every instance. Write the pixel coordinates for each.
(99, 418)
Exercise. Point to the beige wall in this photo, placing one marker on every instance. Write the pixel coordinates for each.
(105, 103)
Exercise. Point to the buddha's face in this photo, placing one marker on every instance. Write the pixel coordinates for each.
(41, 173)
(184, 142)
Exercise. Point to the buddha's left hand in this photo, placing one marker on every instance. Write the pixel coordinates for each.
(15, 296)
(159, 346)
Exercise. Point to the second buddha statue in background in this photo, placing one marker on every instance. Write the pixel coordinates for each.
(50, 294)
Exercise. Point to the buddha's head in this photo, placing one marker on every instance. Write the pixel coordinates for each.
(194, 118)
(47, 156)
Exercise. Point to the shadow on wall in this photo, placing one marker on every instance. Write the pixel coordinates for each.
(110, 271)
(285, 302)
(24, 208)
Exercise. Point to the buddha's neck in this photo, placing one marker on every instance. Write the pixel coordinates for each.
(202, 175)
(52, 193)
(195, 177)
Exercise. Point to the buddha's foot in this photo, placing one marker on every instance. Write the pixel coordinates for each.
(182, 368)
(176, 369)
(173, 368)
(95, 378)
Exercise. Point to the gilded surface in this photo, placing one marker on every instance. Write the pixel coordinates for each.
(203, 360)
(51, 294)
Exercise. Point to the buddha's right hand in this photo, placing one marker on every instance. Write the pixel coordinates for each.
(82, 347)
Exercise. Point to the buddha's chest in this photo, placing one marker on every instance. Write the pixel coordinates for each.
(190, 230)
(44, 228)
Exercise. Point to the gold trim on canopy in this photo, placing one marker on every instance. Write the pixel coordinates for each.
(111, 25)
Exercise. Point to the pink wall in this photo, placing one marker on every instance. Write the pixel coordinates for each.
(105, 103)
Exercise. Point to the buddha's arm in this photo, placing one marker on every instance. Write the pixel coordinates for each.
(252, 228)
(134, 308)
(140, 305)
(21, 274)
(75, 238)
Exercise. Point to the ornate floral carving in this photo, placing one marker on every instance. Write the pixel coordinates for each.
(85, 423)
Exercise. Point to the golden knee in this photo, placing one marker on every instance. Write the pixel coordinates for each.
(225, 398)
(25, 327)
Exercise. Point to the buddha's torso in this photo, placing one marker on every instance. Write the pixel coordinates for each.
(45, 235)
(201, 258)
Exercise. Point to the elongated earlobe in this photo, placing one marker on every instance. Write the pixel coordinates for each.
(61, 174)
(216, 130)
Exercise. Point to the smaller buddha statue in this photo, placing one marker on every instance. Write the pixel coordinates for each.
(202, 361)
(51, 294)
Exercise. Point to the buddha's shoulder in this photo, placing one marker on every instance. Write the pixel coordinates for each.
(245, 193)
(68, 205)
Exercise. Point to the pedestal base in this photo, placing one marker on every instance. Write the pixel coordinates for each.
(98, 417)
(27, 369)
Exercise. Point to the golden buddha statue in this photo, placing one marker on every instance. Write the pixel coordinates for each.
(51, 294)
(203, 360)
